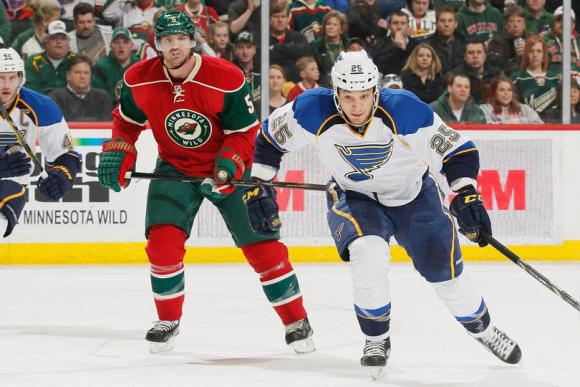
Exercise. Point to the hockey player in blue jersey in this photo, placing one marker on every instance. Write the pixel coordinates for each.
(387, 152)
(34, 115)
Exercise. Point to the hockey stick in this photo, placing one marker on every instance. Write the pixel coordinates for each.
(20, 139)
(530, 270)
(199, 179)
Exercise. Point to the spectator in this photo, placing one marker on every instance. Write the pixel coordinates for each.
(456, 105)
(5, 25)
(422, 19)
(391, 81)
(554, 43)
(202, 15)
(245, 50)
(476, 67)
(309, 75)
(78, 101)
(136, 15)
(286, 46)
(478, 19)
(306, 17)
(536, 84)
(20, 14)
(502, 107)
(47, 71)
(447, 42)
(88, 38)
(506, 49)
(538, 20)
(244, 15)
(332, 42)
(391, 52)
(575, 101)
(30, 42)
(355, 44)
(108, 72)
(276, 81)
(365, 21)
(219, 40)
(422, 73)
(452, 4)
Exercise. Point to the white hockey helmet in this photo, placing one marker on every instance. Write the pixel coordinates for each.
(354, 71)
(10, 61)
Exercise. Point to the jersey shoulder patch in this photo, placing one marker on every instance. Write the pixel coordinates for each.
(44, 111)
(313, 108)
(144, 72)
(407, 111)
(217, 73)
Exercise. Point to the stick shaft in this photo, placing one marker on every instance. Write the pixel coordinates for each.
(20, 139)
(530, 270)
(199, 179)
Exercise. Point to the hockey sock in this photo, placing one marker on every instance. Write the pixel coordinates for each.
(270, 260)
(369, 264)
(465, 303)
(165, 249)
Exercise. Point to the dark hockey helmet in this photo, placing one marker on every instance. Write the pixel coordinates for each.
(174, 22)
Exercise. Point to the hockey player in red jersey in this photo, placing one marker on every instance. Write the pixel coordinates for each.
(204, 123)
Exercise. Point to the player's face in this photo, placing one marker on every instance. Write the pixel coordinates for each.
(424, 58)
(446, 24)
(175, 48)
(504, 93)
(121, 48)
(85, 24)
(220, 38)
(357, 106)
(9, 82)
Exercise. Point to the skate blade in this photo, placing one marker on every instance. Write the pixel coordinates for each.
(376, 373)
(303, 346)
(156, 348)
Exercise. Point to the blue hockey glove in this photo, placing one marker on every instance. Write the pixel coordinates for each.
(12, 162)
(471, 215)
(57, 184)
(262, 209)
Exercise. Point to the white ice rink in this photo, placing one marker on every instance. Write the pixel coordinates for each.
(84, 326)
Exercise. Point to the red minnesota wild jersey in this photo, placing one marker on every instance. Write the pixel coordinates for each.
(191, 119)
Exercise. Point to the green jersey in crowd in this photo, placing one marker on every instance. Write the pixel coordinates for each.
(541, 94)
(483, 25)
(555, 55)
(108, 75)
(42, 76)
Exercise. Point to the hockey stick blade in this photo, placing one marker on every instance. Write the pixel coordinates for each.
(530, 270)
(20, 139)
(243, 183)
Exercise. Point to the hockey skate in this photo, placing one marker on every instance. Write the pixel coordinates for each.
(162, 336)
(299, 336)
(375, 356)
(498, 343)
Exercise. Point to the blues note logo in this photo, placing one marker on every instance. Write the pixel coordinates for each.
(365, 158)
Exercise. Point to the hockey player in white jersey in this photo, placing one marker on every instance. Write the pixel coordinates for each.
(386, 150)
(35, 116)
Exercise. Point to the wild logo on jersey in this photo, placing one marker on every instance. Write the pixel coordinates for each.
(188, 128)
(365, 159)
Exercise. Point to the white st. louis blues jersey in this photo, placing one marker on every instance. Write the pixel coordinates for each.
(37, 117)
(387, 161)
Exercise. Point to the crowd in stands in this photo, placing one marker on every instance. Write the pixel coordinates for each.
(474, 61)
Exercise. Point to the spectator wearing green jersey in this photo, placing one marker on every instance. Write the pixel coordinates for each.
(537, 85)
(555, 45)
(480, 20)
(306, 17)
(538, 20)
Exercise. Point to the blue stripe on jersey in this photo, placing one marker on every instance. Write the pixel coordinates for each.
(469, 145)
(408, 112)
(45, 109)
(313, 107)
(477, 314)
